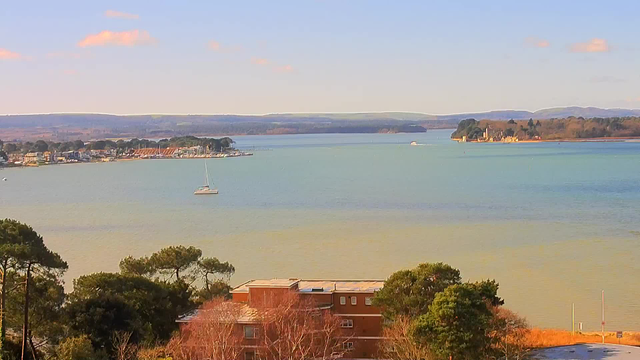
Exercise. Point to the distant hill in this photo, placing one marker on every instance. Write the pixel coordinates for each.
(94, 126)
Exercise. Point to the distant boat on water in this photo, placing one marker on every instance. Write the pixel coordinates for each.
(206, 189)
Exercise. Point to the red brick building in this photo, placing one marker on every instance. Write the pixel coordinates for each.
(350, 300)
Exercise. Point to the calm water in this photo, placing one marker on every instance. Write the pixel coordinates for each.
(553, 223)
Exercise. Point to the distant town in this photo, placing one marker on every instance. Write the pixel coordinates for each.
(47, 153)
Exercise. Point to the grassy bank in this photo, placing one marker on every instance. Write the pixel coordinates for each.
(541, 338)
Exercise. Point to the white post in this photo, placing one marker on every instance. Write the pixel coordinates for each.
(573, 319)
(603, 316)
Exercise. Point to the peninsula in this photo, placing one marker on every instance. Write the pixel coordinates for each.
(47, 152)
(565, 129)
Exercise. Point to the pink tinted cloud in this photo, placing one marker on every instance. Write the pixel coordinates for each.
(260, 61)
(9, 55)
(120, 15)
(535, 42)
(284, 68)
(70, 72)
(594, 45)
(214, 45)
(123, 38)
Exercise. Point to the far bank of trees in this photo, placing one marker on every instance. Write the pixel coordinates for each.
(554, 129)
(122, 146)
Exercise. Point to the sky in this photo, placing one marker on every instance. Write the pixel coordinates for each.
(258, 57)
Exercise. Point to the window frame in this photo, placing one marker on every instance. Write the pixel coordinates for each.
(348, 325)
(347, 345)
(252, 357)
(343, 300)
(255, 331)
(354, 300)
(368, 300)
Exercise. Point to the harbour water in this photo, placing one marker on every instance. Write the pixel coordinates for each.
(554, 223)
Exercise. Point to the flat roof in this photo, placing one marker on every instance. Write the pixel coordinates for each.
(232, 311)
(314, 285)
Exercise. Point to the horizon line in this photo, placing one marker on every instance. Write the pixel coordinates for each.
(313, 113)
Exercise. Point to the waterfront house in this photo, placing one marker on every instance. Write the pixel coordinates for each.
(349, 300)
(33, 158)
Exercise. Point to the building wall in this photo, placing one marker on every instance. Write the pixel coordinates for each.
(266, 296)
(367, 320)
(240, 297)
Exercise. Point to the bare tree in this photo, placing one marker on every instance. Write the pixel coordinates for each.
(214, 334)
(294, 328)
(398, 344)
(510, 334)
(123, 349)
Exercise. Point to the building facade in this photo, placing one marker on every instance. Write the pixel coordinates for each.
(349, 300)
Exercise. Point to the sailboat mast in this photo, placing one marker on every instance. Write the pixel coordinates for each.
(206, 173)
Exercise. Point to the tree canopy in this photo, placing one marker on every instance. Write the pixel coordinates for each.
(410, 292)
(458, 322)
(173, 260)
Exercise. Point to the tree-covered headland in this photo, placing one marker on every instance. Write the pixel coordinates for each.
(571, 128)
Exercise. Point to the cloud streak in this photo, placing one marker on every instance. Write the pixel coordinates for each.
(284, 69)
(120, 15)
(260, 61)
(123, 38)
(595, 45)
(535, 42)
(216, 46)
(9, 55)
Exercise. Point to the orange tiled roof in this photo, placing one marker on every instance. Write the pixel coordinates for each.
(155, 151)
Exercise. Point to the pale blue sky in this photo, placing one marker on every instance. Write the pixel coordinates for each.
(316, 56)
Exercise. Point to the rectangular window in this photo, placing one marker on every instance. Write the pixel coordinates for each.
(343, 300)
(250, 332)
(346, 323)
(249, 355)
(367, 301)
(354, 300)
(347, 346)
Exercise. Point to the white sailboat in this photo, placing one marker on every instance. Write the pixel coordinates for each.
(206, 189)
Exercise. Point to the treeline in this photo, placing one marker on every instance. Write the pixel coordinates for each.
(106, 313)
(120, 145)
(553, 129)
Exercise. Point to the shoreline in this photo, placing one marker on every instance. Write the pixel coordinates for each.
(602, 139)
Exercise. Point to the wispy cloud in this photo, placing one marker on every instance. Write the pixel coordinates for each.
(594, 45)
(260, 61)
(284, 68)
(633, 100)
(70, 72)
(10, 55)
(123, 38)
(217, 46)
(120, 15)
(535, 42)
(214, 45)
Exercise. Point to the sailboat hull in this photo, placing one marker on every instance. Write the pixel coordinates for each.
(206, 192)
